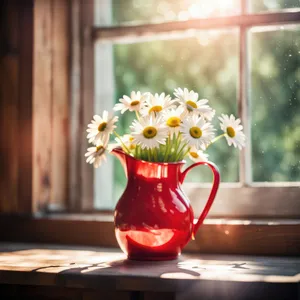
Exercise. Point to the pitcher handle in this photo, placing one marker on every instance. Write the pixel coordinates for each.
(213, 192)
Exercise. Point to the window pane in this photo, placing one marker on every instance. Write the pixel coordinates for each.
(275, 96)
(273, 5)
(206, 63)
(170, 10)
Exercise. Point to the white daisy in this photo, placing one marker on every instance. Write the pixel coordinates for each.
(101, 127)
(189, 101)
(196, 132)
(173, 119)
(127, 140)
(197, 155)
(149, 132)
(95, 155)
(156, 104)
(233, 131)
(132, 103)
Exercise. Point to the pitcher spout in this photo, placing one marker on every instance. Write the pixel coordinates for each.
(121, 155)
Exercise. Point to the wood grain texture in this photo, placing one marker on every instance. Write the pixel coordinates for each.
(211, 276)
(9, 73)
(75, 109)
(25, 108)
(9, 125)
(217, 236)
(51, 105)
(16, 59)
(82, 105)
(34, 55)
(87, 100)
(60, 105)
(42, 104)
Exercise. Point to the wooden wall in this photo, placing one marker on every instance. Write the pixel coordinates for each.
(34, 104)
(15, 105)
(50, 103)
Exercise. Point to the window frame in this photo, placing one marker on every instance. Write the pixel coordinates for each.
(245, 198)
(19, 203)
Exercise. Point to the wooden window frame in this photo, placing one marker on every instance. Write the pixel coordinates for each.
(234, 200)
(25, 208)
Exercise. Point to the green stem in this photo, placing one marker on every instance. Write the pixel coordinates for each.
(177, 144)
(155, 154)
(167, 148)
(179, 153)
(149, 156)
(216, 139)
(117, 135)
(185, 153)
(137, 115)
(174, 146)
(136, 152)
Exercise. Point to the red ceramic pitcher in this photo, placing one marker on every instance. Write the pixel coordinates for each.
(153, 218)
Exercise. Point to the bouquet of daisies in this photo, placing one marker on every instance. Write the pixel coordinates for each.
(165, 129)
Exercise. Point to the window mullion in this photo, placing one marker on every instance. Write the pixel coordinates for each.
(104, 100)
(170, 30)
(244, 101)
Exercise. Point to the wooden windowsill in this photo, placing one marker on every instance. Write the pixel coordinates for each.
(215, 236)
(224, 277)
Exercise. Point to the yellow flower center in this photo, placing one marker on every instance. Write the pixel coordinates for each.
(100, 150)
(156, 108)
(102, 126)
(230, 132)
(194, 154)
(149, 132)
(173, 122)
(134, 103)
(190, 105)
(196, 132)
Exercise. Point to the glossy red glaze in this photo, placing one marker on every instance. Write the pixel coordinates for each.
(153, 218)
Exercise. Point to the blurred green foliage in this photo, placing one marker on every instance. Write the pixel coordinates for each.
(275, 96)
(208, 64)
(272, 5)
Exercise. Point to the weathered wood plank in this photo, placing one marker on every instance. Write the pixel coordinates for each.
(34, 104)
(9, 69)
(82, 105)
(87, 100)
(42, 104)
(68, 271)
(60, 104)
(9, 127)
(219, 236)
(25, 109)
(75, 110)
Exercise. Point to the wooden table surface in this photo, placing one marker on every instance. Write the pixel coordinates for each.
(108, 269)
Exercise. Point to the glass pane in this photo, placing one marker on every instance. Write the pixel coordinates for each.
(273, 5)
(275, 96)
(145, 11)
(206, 63)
